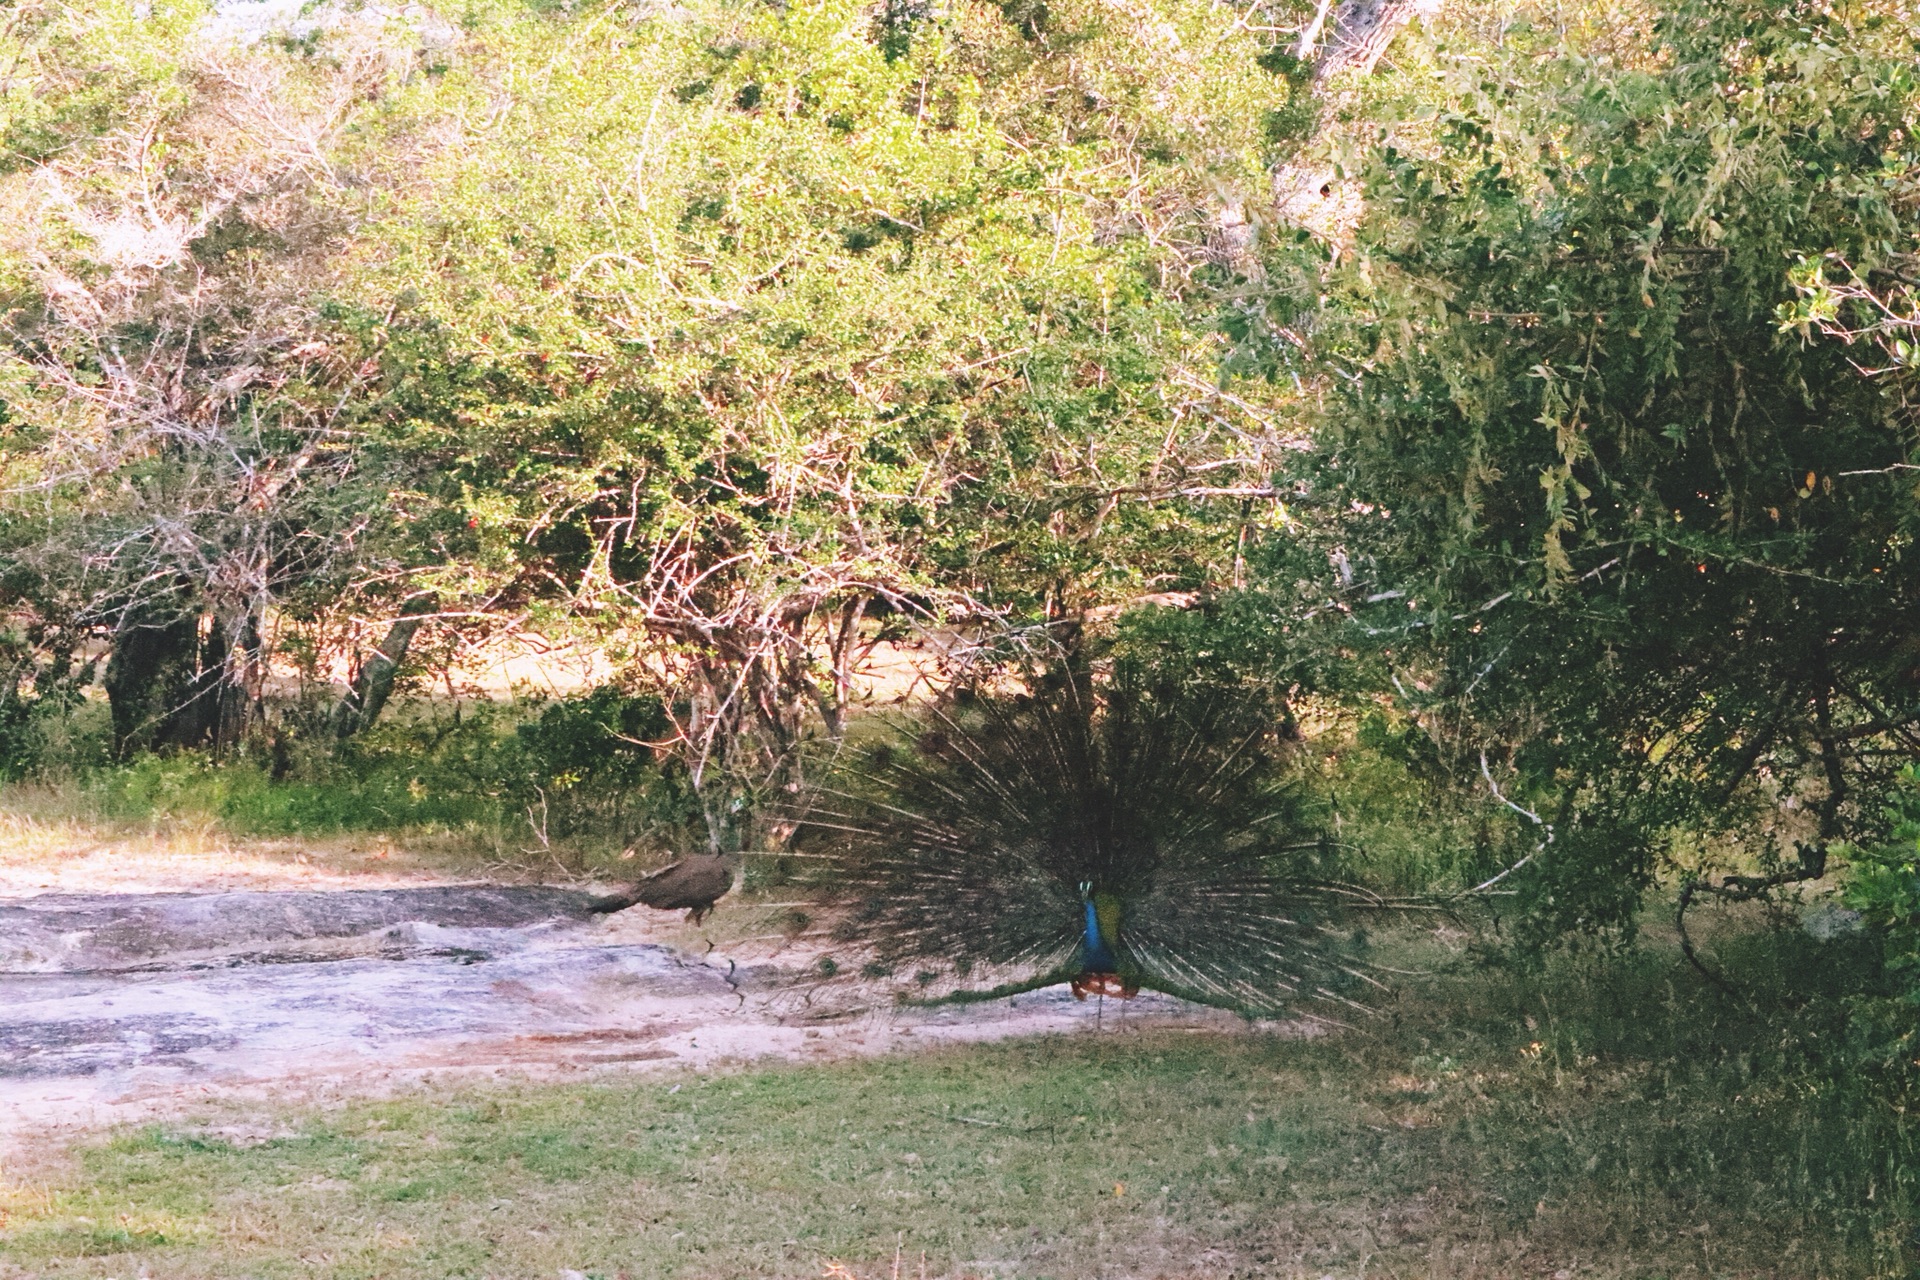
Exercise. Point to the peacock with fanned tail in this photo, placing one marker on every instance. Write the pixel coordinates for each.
(1116, 831)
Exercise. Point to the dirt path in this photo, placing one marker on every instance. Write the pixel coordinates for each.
(121, 1006)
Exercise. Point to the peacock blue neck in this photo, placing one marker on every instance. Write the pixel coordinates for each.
(1096, 953)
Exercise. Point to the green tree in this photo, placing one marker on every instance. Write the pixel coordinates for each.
(742, 334)
(1637, 552)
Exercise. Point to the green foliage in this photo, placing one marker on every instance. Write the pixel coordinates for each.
(880, 316)
(1294, 120)
(1599, 515)
(695, 328)
(421, 779)
(118, 55)
(178, 445)
(493, 777)
(602, 737)
(40, 696)
(1883, 884)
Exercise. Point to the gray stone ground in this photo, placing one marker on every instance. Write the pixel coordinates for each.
(121, 1006)
(130, 932)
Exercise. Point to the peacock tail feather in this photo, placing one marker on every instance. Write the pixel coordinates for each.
(1131, 823)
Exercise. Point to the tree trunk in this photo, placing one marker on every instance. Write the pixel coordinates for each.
(1362, 30)
(151, 681)
(1357, 34)
(372, 684)
(198, 721)
(241, 680)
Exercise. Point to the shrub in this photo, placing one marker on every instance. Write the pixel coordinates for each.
(578, 771)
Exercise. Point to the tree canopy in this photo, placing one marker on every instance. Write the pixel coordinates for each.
(1636, 533)
(1538, 382)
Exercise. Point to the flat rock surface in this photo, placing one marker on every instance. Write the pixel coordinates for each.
(119, 1006)
(64, 933)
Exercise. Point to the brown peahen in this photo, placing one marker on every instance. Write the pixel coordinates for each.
(693, 884)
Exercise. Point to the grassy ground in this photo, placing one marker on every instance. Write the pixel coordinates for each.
(1613, 1116)
(473, 788)
(1609, 1119)
(52, 839)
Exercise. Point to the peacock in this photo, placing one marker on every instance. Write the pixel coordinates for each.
(1115, 830)
(1098, 969)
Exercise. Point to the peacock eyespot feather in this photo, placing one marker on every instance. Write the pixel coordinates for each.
(1131, 825)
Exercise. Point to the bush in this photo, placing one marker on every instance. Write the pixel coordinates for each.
(591, 766)
(49, 724)
(1883, 885)
(580, 772)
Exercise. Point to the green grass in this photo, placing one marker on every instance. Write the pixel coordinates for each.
(1611, 1118)
(490, 785)
(243, 799)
